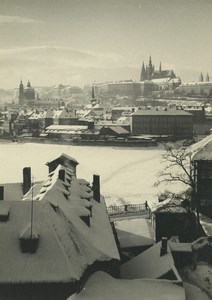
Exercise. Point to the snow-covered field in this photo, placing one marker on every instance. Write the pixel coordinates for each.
(127, 174)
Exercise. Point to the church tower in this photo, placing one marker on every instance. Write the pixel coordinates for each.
(207, 78)
(149, 69)
(21, 93)
(201, 79)
(143, 73)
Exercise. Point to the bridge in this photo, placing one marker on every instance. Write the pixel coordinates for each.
(141, 210)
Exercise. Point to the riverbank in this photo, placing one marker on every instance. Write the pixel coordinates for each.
(145, 142)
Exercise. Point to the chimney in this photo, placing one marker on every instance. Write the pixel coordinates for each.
(96, 187)
(1, 193)
(90, 125)
(61, 175)
(163, 249)
(26, 179)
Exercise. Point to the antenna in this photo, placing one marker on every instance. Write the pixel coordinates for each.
(32, 187)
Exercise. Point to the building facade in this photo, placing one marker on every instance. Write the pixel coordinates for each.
(174, 122)
(26, 95)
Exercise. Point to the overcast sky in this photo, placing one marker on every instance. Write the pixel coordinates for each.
(83, 41)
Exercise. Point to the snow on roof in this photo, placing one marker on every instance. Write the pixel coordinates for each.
(134, 233)
(45, 265)
(149, 112)
(62, 157)
(202, 150)
(180, 247)
(161, 80)
(68, 245)
(172, 206)
(148, 264)
(63, 128)
(117, 129)
(196, 83)
(102, 286)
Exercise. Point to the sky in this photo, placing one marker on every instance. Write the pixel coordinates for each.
(80, 42)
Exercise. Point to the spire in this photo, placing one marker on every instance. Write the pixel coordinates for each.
(160, 68)
(93, 93)
(150, 61)
(207, 78)
(28, 84)
(201, 78)
(143, 73)
(21, 86)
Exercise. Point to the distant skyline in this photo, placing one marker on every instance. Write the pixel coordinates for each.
(78, 42)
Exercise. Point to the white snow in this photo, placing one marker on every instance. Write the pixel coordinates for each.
(101, 286)
(134, 232)
(148, 264)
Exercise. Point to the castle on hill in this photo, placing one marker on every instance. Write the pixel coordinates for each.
(149, 72)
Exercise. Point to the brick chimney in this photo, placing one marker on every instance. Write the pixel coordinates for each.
(1, 192)
(26, 179)
(163, 249)
(96, 187)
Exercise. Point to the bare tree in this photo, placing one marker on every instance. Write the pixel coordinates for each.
(178, 168)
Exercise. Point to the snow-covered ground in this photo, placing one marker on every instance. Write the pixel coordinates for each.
(127, 174)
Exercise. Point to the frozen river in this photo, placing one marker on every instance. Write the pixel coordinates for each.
(127, 174)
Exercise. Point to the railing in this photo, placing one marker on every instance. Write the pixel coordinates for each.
(141, 209)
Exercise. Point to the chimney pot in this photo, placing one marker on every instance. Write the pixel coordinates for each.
(163, 249)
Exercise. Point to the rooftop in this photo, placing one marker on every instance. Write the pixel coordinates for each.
(102, 286)
(72, 227)
(151, 112)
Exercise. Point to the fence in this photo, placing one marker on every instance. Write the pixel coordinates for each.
(141, 209)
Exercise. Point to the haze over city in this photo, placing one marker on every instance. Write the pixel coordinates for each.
(78, 42)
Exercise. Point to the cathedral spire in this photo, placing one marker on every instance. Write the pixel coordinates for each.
(28, 84)
(160, 68)
(143, 73)
(201, 79)
(93, 93)
(150, 61)
(207, 78)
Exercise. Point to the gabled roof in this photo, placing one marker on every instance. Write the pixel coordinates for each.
(203, 149)
(68, 245)
(62, 158)
(149, 264)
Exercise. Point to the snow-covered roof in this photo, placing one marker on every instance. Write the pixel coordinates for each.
(161, 80)
(150, 112)
(117, 129)
(149, 264)
(65, 128)
(202, 150)
(197, 83)
(68, 244)
(62, 158)
(101, 286)
(134, 233)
